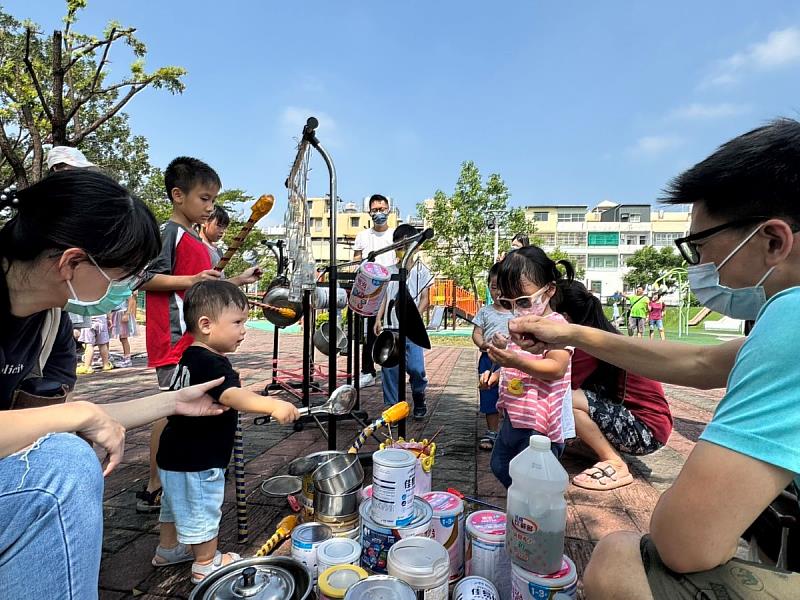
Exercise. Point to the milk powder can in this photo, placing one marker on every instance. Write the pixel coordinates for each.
(485, 554)
(338, 551)
(423, 564)
(475, 588)
(448, 528)
(561, 585)
(380, 587)
(393, 486)
(306, 539)
(335, 581)
(369, 288)
(376, 540)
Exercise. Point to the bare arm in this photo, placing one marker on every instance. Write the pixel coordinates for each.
(702, 367)
(553, 366)
(424, 301)
(176, 283)
(247, 401)
(697, 523)
(477, 338)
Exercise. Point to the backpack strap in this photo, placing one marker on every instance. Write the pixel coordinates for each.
(50, 327)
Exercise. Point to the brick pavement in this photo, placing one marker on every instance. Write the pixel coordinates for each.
(130, 538)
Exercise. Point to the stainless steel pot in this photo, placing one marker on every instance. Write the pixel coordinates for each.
(260, 578)
(336, 505)
(340, 475)
(386, 351)
(278, 295)
(322, 339)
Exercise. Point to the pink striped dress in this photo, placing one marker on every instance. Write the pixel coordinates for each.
(532, 403)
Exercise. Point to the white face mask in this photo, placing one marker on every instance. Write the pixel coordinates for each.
(738, 303)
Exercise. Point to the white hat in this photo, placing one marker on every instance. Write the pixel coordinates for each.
(67, 155)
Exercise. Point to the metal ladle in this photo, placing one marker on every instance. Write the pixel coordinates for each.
(341, 402)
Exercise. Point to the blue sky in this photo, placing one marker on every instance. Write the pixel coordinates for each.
(569, 102)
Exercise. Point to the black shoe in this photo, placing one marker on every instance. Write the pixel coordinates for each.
(420, 410)
(148, 501)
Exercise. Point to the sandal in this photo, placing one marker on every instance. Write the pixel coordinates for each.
(172, 556)
(148, 501)
(487, 440)
(200, 572)
(602, 476)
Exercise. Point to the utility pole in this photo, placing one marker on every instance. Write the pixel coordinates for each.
(496, 224)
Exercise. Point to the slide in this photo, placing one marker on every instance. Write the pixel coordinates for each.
(437, 318)
(698, 318)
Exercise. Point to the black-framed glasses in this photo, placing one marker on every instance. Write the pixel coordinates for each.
(687, 246)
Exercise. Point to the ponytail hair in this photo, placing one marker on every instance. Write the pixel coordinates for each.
(77, 208)
(533, 264)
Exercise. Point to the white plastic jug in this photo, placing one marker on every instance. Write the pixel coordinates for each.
(537, 509)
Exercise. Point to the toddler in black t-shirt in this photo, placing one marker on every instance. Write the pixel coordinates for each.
(194, 452)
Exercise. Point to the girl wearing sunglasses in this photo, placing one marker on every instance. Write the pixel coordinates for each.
(533, 388)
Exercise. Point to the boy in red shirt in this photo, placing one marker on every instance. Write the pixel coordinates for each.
(192, 186)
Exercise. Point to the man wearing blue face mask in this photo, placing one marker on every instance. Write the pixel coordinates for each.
(375, 238)
(743, 255)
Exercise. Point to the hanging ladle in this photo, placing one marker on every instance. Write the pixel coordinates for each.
(341, 402)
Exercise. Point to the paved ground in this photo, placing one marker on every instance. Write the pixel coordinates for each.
(130, 538)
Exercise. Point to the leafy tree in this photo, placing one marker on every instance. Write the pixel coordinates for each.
(154, 193)
(55, 90)
(558, 254)
(648, 264)
(464, 245)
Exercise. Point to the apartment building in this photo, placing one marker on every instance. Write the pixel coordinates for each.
(601, 239)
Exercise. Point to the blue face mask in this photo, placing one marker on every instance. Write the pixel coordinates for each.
(116, 293)
(737, 303)
(380, 218)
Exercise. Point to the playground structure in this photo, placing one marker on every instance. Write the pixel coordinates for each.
(447, 298)
(676, 279)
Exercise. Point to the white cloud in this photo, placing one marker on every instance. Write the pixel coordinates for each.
(697, 111)
(780, 49)
(654, 145)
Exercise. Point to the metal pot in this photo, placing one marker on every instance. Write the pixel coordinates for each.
(386, 351)
(336, 505)
(322, 337)
(304, 468)
(278, 295)
(340, 475)
(260, 578)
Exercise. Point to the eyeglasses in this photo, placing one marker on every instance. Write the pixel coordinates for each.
(376, 211)
(523, 302)
(687, 246)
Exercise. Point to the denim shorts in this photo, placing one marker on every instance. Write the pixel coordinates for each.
(657, 324)
(488, 398)
(193, 501)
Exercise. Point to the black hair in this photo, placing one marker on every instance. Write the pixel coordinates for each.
(533, 264)
(403, 231)
(377, 198)
(582, 307)
(493, 271)
(210, 299)
(77, 208)
(522, 238)
(756, 174)
(186, 172)
(220, 215)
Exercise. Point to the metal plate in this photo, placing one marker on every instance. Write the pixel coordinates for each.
(281, 486)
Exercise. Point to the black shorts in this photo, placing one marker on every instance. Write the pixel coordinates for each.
(621, 427)
(736, 579)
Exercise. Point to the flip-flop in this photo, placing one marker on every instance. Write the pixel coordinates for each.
(172, 556)
(602, 476)
(487, 440)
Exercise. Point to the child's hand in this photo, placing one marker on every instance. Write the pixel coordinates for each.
(502, 357)
(488, 379)
(125, 317)
(500, 341)
(250, 275)
(378, 327)
(284, 412)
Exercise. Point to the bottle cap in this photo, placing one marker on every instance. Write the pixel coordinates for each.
(540, 442)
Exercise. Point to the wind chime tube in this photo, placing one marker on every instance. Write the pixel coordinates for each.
(241, 494)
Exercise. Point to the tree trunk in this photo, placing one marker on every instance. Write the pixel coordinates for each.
(37, 161)
(474, 286)
(16, 162)
(59, 118)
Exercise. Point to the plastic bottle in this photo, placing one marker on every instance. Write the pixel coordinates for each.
(537, 509)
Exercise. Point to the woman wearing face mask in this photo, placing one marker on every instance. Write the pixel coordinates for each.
(74, 243)
(533, 388)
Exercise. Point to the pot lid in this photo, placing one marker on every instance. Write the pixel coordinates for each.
(281, 486)
(264, 582)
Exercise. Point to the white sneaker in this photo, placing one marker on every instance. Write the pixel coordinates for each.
(367, 380)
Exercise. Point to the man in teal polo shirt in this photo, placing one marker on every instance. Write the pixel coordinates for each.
(743, 254)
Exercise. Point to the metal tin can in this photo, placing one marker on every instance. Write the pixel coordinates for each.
(304, 468)
(338, 551)
(393, 472)
(562, 584)
(448, 528)
(423, 564)
(335, 581)
(475, 588)
(485, 554)
(376, 539)
(369, 288)
(380, 587)
(306, 539)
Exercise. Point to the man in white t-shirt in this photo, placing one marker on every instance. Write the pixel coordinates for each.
(377, 237)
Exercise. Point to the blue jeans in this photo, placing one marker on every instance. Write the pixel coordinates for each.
(51, 520)
(415, 367)
(511, 442)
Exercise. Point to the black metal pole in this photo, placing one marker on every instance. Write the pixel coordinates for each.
(401, 342)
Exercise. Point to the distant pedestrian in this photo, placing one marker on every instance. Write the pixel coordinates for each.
(656, 316)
